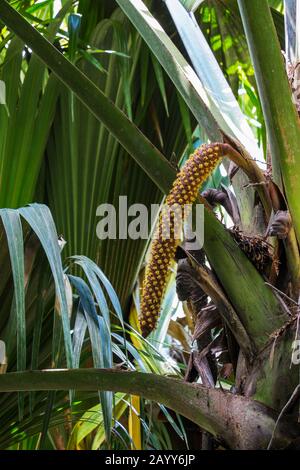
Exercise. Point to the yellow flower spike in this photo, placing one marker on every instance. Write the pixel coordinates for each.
(185, 188)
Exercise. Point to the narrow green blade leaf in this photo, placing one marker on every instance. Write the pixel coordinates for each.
(191, 5)
(178, 69)
(20, 173)
(160, 80)
(40, 219)
(2, 92)
(47, 417)
(100, 341)
(13, 228)
(223, 104)
(106, 283)
(115, 120)
(78, 336)
(282, 120)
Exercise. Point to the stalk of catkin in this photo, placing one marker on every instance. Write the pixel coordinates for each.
(184, 191)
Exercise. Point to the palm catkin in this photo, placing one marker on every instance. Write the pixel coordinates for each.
(184, 191)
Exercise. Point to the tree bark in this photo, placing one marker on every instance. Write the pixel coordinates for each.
(237, 421)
